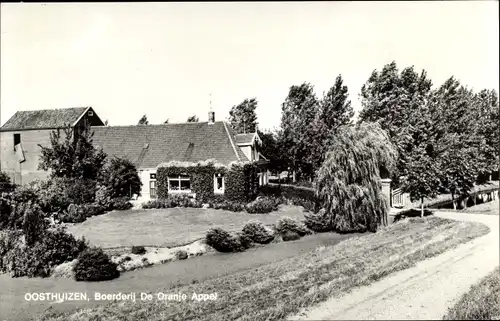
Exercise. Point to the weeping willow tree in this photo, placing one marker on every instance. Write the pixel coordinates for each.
(348, 182)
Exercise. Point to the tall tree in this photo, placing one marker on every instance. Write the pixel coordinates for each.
(348, 182)
(394, 100)
(193, 119)
(335, 110)
(298, 133)
(243, 118)
(487, 115)
(457, 137)
(143, 120)
(271, 150)
(73, 156)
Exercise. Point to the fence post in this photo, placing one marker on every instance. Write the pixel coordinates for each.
(386, 190)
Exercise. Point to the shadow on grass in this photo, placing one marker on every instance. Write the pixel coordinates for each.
(411, 213)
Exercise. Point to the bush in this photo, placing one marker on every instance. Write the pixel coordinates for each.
(53, 196)
(121, 177)
(245, 242)
(94, 265)
(73, 214)
(290, 236)
(9, 240)
(286, 224)
(223, 241)
(227, 205)
(317, 222)
(121, 204)
(34, 224)
(263, 205)
(297, 195)
(181, 255)
(139, 250)
(5, 183)
(79, 191)
(79, 213)
(54, 248)
(258, 233)
(103, 196)
(173, 201)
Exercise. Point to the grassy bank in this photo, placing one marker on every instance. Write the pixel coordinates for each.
(275, 291)
(482, 302)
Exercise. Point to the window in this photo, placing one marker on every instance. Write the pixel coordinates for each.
(91, 113)
(179, 184)
(219, 184)
(17, 139)
(152, 176)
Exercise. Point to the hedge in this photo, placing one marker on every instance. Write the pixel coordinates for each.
(298, 195)
(241, 181)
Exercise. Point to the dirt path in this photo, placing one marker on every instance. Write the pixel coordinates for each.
(423, 292)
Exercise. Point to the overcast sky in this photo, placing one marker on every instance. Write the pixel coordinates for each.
(164, 59)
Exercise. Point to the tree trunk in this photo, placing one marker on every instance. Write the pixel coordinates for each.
(422, 207)
(453, 201)
(294, 176)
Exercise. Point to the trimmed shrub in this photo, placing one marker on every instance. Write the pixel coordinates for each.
(54, 248)
(121, 204)
(263, 205)
(223, 241)
(289, 224)
(258, 232)
(94, 265)
(290, 236)
(180, 200)
(139, 250)
(181, 255)
(227, 205)
(245, 242)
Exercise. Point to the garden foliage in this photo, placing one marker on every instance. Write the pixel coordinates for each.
(95, 265)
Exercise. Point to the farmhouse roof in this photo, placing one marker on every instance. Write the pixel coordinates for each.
(149, 145)
(44, 119)
(246, 139)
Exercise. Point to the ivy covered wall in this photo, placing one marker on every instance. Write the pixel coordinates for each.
(241, 179)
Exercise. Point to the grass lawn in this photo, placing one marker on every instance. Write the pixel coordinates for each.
(168, 227)
(485, 208)
(279, 289)
(482, 302)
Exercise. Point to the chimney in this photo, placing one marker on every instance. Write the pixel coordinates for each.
(211, 117)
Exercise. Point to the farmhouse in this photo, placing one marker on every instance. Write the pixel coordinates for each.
(147, 146)
(21, 134)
